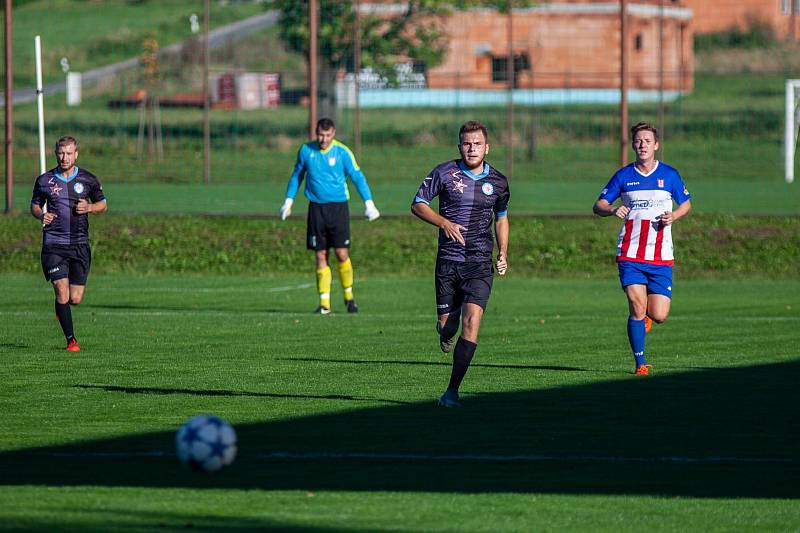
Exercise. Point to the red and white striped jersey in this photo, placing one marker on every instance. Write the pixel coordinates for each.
(643, 238)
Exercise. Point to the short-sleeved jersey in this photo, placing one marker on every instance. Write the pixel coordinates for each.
(326, 172)
(471, 200)
(61, 193)
(643, 238)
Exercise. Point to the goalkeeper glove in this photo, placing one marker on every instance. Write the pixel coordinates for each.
(286, 208)
(371, 212)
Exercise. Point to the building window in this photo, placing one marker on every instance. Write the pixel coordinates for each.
(638, 42)
(500, 66)
(786, 7)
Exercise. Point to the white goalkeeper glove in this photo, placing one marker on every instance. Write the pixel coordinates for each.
(286, 208)
(371, 212)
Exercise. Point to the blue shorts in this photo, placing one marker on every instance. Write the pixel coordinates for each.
(657, 278)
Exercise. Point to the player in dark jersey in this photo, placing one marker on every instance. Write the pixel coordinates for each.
(473, 197)
(62, 199)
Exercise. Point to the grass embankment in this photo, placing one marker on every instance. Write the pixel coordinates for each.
(709, 246)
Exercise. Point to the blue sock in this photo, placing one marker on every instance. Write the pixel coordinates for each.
(636, 338)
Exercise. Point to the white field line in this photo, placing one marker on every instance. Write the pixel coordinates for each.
(423, 457)
(208, 289)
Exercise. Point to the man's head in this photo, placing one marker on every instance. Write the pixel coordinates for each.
(326, 130)
(473, 143)
(644, 139)
(66, 153)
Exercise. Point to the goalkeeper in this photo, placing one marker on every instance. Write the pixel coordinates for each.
(326, 163)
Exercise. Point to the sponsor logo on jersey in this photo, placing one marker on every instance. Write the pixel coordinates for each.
(631, 183)
(487, 189)
(641, 204)
(78, 188)
(55, 189)
(660, 184)
(331, 160)
(459, 186)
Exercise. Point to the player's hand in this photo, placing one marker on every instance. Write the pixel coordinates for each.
(501, 264)
(286, 208)
(453, 231)
(48, 218)
(622, 212)
(371, 213)
(666, 218)
(83, 207)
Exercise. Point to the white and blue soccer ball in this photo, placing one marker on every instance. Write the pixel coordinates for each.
(206, 443)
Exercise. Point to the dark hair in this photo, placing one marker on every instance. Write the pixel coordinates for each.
(65, 140)
(473, 125)
(325, 124)
(644, 126)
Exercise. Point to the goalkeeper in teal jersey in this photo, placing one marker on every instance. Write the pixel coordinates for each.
(326, 163)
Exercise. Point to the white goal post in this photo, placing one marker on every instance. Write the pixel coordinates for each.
(792, 124)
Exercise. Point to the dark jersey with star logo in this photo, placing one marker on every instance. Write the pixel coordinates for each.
(471, 200)
(61, 193)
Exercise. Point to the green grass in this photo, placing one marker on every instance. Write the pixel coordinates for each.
(92, 33)
(712, 247)
(552, 377)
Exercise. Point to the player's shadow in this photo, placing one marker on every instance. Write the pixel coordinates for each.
(722, 433)
(219, 392)
(381, 362)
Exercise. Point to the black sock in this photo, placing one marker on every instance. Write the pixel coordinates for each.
(64, 316)
(462, 356)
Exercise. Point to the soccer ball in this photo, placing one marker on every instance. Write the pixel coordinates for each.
(206, 443)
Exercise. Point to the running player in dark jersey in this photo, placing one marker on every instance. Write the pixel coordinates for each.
(473, 197)
(62, 199)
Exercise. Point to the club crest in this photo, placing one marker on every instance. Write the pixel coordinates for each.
(487, 189)
(660, 184)
(78, 188)
(331, 161)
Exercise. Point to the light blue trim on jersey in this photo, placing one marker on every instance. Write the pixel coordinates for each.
(418, 200)
(68, 178)
(468, 172)
(501, 214)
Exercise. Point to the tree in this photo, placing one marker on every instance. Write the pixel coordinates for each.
(415, 34)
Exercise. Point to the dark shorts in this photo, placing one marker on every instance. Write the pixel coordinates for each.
(328, 226)
(460, 283)
(657, 278)
(73, 262)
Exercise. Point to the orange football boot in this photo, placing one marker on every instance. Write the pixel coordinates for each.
(73, 346)
(643, 370)
(648, 324)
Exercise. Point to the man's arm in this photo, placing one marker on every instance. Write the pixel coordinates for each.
(39, 214)
(451, 229)
(501, 231)
(671, 216)
(603, 208)
(294, 184)
(84, 207)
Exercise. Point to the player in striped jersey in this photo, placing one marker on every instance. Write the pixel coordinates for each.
(326, 163)
(647, 189)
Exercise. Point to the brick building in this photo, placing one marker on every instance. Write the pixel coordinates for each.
(569, 44)
(720, 15)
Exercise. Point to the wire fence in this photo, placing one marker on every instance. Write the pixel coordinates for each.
(139, 115)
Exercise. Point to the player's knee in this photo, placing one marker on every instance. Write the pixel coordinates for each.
(659, 318)
(75, 299)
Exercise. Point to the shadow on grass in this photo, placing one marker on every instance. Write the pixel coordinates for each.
(729, 432)
(218, 392)
(445, 362)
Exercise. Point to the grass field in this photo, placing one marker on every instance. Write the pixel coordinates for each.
(335, 415)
